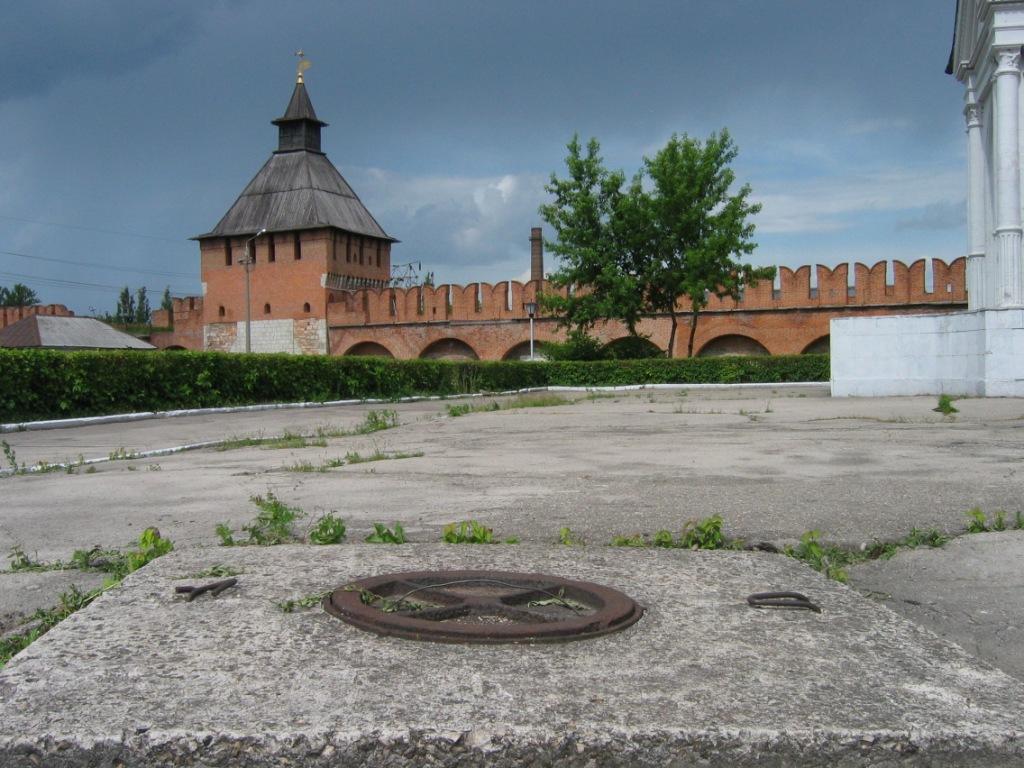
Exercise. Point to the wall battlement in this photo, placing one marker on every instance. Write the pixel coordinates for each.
(476, 302)
(11, 315)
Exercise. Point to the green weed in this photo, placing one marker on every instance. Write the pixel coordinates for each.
(976, 521)
(354, 457)
(384, 535)
(567, 538)
(826, 558)
(467, 532)
(376, 421)
(945, 406)
(308, 601)
(273, 524)
(150, 547)
(636, 540)
(215, 572)
(122, 454)
(329, 529)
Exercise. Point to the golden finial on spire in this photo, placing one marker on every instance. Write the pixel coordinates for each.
(303, 65)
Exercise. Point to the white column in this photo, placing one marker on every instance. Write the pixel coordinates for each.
(977, 285)
(1008, 215)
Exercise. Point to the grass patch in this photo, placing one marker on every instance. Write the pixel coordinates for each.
(521, 401)
(384, 535)
(467, 532)
(945, 406)
(978, 521)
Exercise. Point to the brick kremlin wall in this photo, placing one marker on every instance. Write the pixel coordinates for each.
(11, 315)
(789, 316)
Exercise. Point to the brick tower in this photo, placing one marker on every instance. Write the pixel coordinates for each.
(302, 235)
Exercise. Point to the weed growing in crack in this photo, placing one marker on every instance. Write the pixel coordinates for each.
(307, 601)
(273, 524)
(150, 546)
(567, 538)
(696, 534)
(467, 532)
(354, 457)
(384, 535)
(329, 529)
(945, 406)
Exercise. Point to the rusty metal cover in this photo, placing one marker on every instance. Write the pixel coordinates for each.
(482, 607)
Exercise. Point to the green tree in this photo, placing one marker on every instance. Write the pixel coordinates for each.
(634, 251)
(584, 216)
(125, 312)
(166, 302)
(142, 309)
(18, 295)
(696, 229)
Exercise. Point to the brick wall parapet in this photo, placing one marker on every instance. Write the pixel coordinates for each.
(11, 315)
(831, 287)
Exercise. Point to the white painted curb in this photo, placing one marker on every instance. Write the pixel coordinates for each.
(84, 421)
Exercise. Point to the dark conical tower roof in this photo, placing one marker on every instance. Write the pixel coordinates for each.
(298, 187)
(299, 128)
(300, 107)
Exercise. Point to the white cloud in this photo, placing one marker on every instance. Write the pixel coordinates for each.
(822, 205)
(463, 227)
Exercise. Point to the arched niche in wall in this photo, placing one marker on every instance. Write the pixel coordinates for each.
(820, 346)
(449, 349)
(369, 349)
(732, 344)
(632, 348)
(521, 351)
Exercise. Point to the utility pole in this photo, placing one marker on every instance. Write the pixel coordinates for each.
(249, 261)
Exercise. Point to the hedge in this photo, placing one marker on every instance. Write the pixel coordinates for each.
(48, 384)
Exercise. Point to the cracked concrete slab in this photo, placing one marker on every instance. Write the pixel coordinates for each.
(971, 591)
(142, 678)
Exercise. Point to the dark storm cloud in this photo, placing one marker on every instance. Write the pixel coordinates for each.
(45, 43)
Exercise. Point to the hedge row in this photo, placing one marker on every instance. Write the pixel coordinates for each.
(46, 384)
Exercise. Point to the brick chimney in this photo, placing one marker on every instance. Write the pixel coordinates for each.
(536, 254)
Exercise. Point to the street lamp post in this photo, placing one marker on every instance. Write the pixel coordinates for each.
(249, 261)
(531, 310)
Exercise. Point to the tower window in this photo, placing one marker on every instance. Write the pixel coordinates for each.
(360, 250)
(271, 255)
(266, 309)
(221, 312)
(378, 253)
(305, 307)
(298, 247)
(227, 252)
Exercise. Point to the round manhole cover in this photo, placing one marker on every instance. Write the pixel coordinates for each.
(482, 607)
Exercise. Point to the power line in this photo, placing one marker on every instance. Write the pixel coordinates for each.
(101, 266)
(56, 282)
(94, 229)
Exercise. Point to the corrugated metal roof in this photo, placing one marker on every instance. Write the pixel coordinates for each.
(67, 333)
(297, 190)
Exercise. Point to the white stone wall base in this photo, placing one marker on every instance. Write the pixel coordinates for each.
(966, 353)
(277, 336)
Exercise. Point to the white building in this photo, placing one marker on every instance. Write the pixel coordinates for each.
(981, 351)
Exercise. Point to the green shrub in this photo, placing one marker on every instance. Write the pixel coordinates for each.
(48, 384)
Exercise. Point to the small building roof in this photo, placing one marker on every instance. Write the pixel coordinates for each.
(67, 333)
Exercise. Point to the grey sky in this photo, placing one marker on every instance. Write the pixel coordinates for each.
(447, 117)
